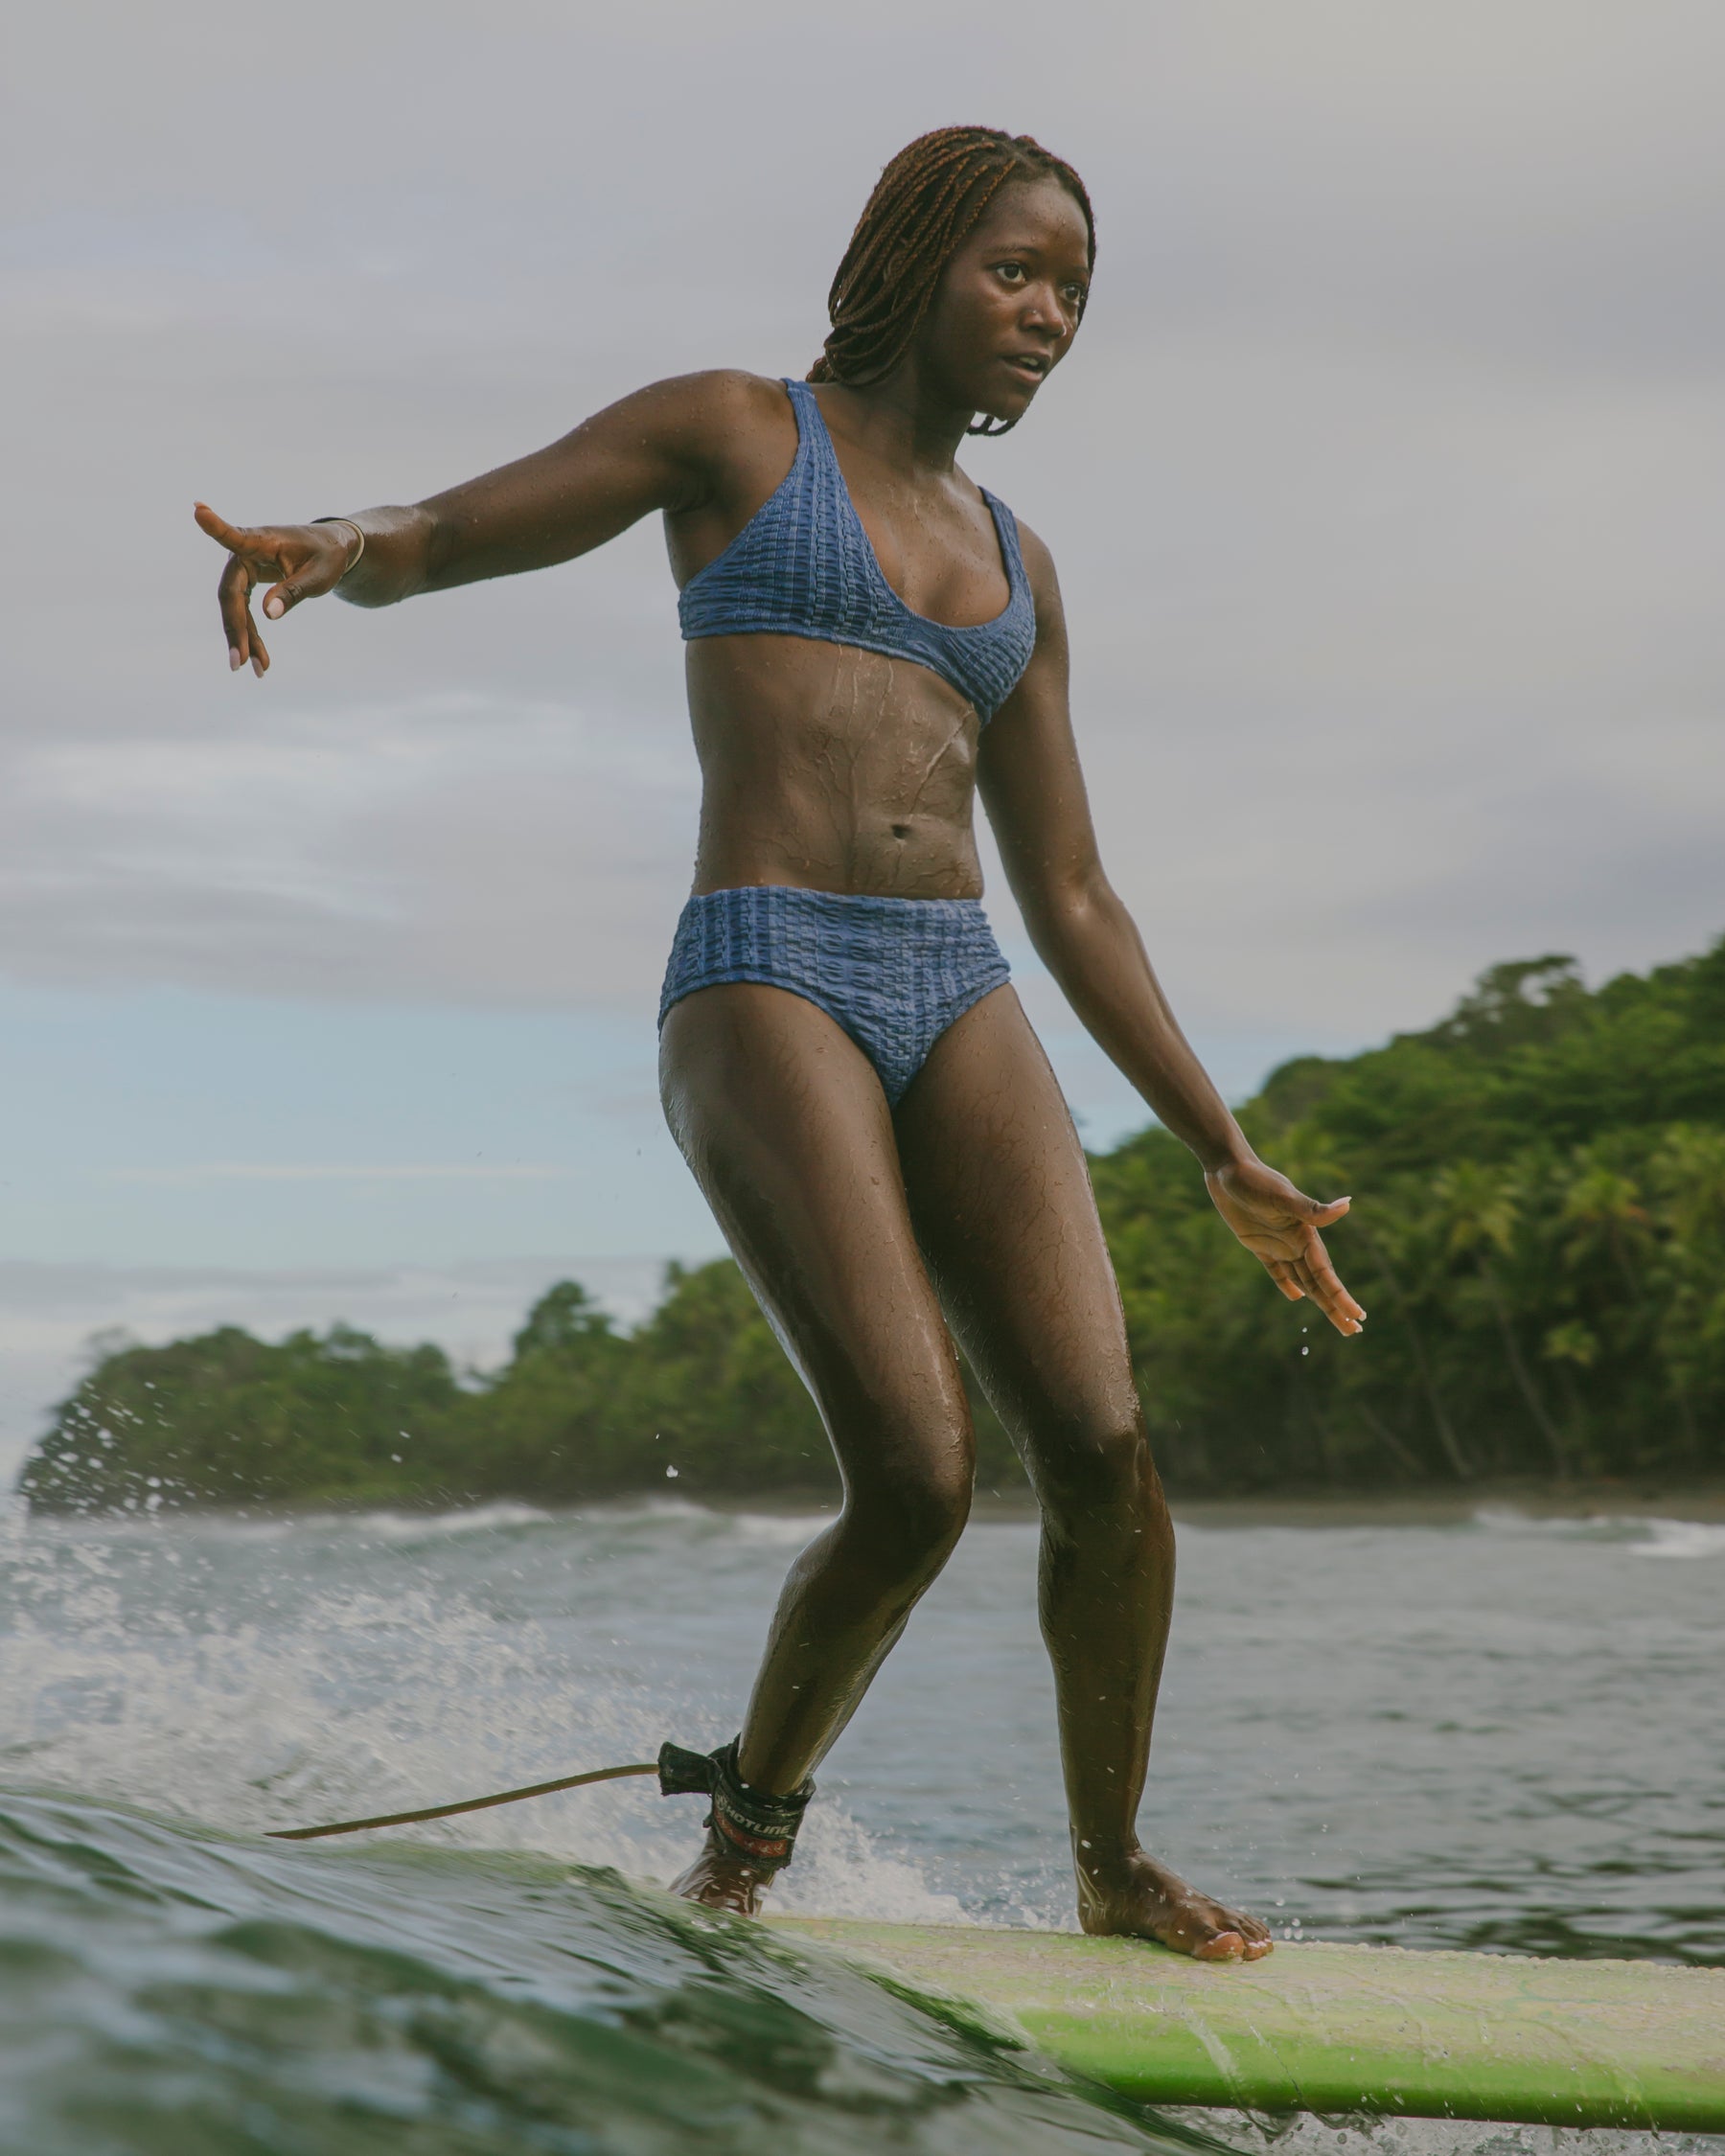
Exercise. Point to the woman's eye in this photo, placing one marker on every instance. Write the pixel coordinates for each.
(1012, 271)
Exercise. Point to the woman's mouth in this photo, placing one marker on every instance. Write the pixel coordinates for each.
(1031, 366)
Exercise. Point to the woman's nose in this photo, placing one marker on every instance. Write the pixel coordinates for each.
(1044, 311)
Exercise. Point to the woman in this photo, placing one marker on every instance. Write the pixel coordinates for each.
(872, 639)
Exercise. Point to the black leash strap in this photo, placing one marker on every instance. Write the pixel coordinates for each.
(754, 1824)
(757, 1825)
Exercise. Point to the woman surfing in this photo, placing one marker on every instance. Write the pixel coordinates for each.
(874, 640)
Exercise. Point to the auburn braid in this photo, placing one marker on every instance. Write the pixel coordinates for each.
(925, 204)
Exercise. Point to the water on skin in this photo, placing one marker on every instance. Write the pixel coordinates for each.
(1499, 1732)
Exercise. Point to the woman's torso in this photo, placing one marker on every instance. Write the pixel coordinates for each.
(826, 765)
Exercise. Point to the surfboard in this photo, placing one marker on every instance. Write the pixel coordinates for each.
(1330, 2028)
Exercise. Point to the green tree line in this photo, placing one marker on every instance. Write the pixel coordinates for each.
(1539, 1236)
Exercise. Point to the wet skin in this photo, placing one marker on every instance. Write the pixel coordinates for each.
(875, 1238)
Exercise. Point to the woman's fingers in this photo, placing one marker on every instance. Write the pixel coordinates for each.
(253, 555)
(253, 543)
(1283, 1272)
(1279, 1225)
(308, 580)
(1317, 1276)
(216, 527)
(297, 561)
(259, 658)
(1344, 1323)
(1317, 1261)
(1301, 1267)
(233, 595)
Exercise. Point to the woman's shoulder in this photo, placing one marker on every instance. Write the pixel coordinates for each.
(724, 395)
(1028, 542)
(1039, 562)
(718, 417)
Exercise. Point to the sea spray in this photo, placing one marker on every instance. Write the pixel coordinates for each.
(1438, 1734)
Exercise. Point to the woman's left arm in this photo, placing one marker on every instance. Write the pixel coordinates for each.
(1033, 790)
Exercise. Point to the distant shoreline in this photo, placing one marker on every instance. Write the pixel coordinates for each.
(1542, 1250)
(1702, 1501)
(1608, 1499)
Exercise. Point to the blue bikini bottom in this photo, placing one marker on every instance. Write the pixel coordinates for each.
(893, 973)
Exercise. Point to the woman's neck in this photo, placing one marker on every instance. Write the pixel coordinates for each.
(903, 420)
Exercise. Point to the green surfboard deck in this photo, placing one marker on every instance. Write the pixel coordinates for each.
(1334, 2028)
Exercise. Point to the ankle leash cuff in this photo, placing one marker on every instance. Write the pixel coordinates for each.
(756, 1824)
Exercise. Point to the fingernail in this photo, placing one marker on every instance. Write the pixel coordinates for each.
(235, 661)
(258, 668)
(272, 606)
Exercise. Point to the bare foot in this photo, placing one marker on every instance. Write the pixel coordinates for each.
(719, 1880)
(1133, 1896)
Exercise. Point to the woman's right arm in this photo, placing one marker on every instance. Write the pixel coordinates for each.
(659, 449)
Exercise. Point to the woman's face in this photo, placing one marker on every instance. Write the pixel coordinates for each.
(1008, 303)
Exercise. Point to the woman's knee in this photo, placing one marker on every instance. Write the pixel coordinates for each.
(911, 1508)
(1100, 1464)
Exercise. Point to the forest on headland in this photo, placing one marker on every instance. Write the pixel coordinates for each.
(1538, 1233)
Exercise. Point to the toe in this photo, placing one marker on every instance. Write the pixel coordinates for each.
(1220, 1946)
(1257, 1948)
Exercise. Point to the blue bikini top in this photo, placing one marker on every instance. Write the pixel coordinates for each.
(803, 567)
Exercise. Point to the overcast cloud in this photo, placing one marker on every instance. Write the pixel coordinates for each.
(1384, 480)
(1384, 483)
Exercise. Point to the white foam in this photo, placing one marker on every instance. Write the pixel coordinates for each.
(630, 1510)
(778, 1530)
(1587, 1526)
(1635, 1533)
(163, 1666)
(1305, 2133)
(1682, 1538)
(386, 1525)
(839, 1872)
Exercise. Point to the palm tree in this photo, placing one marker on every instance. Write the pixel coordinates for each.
(1460, 1466)
(1571, 1347)
(1689, 1172)
(1479, 1215)
(1604, 1209)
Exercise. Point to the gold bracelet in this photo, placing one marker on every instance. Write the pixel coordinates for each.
(358, 532)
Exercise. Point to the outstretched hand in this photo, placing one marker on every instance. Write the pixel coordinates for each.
(296, 561)
(1279, 1226)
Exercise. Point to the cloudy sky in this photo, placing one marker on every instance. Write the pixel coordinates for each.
(1384, 483)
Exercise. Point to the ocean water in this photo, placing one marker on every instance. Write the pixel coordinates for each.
(1501, 1732)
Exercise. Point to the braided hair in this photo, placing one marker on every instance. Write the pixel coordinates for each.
(924, 206)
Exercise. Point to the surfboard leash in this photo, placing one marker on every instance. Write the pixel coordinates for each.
(759, 1825)
(468, 1805)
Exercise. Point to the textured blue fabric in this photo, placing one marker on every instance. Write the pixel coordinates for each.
(802, 566)
(893, 973)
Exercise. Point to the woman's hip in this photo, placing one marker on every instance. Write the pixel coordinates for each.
(895, 973)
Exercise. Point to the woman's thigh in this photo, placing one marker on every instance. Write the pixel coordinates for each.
(999, 1194)
(784, 1124)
